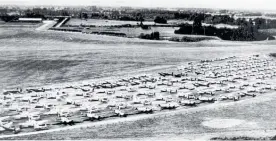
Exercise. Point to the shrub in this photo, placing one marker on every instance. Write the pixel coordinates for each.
(273, 55)
(152, 36)
(190, 39)
(160, 20)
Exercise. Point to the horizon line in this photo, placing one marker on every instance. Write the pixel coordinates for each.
(135, 7)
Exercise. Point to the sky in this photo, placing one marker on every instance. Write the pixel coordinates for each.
(225, 4)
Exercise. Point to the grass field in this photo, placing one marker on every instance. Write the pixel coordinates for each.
(31, 58)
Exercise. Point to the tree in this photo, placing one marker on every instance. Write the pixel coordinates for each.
(84, 16)
(160, 20)
(260, 23)
(197, 25)
(155, 35)
(197, 22)
(64, 13)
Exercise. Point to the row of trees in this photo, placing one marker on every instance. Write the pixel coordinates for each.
(85, 15)
(190, 16)
(260, 23)
(265, 23)
(7, 18)
(28, 14)
(211, 19)
(246, 32)
(159, 16)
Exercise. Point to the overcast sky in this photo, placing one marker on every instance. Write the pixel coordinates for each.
(232, 4)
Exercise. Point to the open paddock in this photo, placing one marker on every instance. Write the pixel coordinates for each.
(196, 84)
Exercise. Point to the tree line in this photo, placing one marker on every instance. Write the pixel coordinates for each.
(246, 32)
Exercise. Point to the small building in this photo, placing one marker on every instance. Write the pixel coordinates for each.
(32, 20)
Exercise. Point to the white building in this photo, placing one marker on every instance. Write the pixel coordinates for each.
(30, 20)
